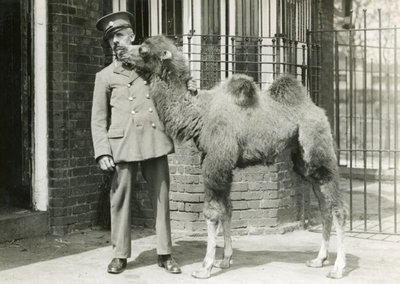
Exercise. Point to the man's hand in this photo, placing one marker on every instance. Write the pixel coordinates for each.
(192, 86)
(106, 163)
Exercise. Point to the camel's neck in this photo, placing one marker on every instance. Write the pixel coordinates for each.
(182, 119)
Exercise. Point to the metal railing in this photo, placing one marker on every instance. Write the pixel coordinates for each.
(366, 123)
(214, 57)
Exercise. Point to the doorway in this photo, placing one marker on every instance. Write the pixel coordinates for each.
(15, 106)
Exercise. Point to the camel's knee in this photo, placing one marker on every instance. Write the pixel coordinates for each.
(340, 215)
(217, 210)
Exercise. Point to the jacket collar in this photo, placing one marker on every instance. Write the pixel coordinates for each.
(119, 68)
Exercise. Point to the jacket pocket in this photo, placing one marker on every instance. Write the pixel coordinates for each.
(115, 133)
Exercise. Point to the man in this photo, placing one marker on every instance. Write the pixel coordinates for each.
(126, 130)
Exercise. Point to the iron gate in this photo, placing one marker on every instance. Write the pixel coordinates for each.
(366, 122)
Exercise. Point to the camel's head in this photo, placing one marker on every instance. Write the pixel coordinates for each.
(156, 55)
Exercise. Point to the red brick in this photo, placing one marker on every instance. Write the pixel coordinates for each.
(186, 197)
(271, 203)
(184, 216)
(239, 186)
(239, 205)
(194, 207)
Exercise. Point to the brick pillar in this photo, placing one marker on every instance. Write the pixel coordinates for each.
(74, 56)
(265, 199)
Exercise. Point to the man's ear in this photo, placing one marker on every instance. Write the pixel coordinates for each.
(132, 38)
(166, 55)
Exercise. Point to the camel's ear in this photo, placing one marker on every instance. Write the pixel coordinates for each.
(166, 55)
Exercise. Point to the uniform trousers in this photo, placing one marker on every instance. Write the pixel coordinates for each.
(156, 173)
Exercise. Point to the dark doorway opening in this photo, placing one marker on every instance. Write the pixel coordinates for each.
(15, 105)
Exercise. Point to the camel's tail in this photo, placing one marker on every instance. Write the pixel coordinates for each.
(243, 89)
(287, 90)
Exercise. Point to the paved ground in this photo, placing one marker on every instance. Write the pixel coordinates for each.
(83, 257)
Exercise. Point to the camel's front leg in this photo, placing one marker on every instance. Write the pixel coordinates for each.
(208, 262)
(227, 256)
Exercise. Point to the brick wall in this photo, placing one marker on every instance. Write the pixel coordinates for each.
(74, 56)
(265, 199)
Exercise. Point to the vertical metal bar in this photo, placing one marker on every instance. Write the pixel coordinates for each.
(269, 18)
(308, 35)
(174, 16)
(372, 113)
(318, 73)
(260, 46)
(191, 16)
(143, 17)
(396, 136)
(297, 17)
(261, 18)
(284, 53)
(246, 52)
(380, 124)
(355, 98)
(277, 56)
(294, 24)
(283, 11)
(388, 130)
(337, 101)
(347, 108)
(278, 17)
(166, 16)
(158, 16)
(295, 58)
(190, 50)
(351, 122)
(273, 58)
(233, 55)
(365, 117)
(303, 65)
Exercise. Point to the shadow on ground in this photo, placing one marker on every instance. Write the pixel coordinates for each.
(188, 252)
(28, 251)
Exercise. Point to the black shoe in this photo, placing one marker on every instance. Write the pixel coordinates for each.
(169, 264)
(117, 265)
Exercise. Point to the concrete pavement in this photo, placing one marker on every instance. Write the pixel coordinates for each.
(82, 257)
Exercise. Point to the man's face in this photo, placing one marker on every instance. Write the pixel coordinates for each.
(121, 38)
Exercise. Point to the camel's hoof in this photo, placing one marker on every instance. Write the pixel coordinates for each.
(335, 274)
(317, 262)
(201, 274)
(224, 263)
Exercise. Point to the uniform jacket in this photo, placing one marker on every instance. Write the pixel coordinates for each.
(125, 124)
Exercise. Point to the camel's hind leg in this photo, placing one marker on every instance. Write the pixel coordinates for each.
(225, 262)
(332, 209)
(326, 215)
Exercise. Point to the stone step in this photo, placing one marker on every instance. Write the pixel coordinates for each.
(18, 224)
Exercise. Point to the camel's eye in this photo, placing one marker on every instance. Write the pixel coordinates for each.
(166, 55)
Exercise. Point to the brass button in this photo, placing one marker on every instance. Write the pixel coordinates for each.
(148, 96)
(150, 110)
(153, 125)
(145, 82)
(133, 112)
(131, 98)
(129, 85)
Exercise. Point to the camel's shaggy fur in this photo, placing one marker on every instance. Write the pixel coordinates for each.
(236, 125)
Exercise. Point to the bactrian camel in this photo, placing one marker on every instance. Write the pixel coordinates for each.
(236, 125)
